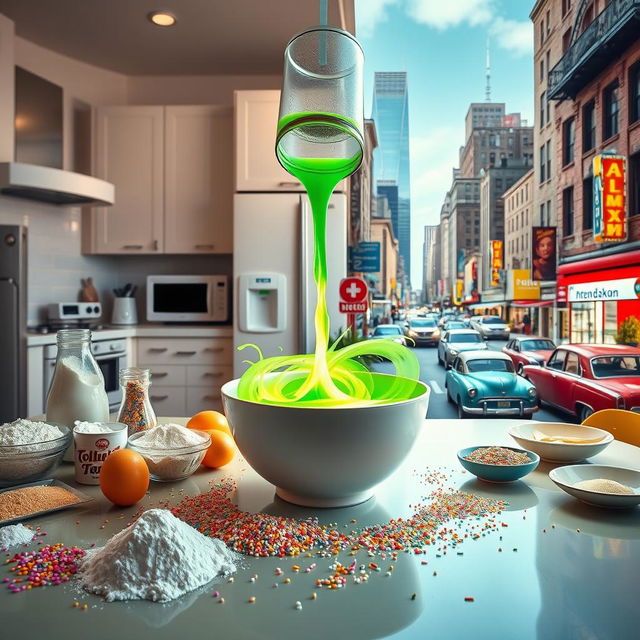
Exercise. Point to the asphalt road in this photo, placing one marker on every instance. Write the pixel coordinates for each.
(433, 375)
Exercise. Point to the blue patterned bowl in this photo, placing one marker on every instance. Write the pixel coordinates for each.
(498, 472)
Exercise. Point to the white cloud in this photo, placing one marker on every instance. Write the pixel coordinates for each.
(513, 36)
(442, 14)
(370, 13)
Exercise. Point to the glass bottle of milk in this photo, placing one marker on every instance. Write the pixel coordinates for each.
(77, 389)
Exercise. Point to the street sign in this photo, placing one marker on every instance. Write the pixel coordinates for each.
(365, 258)
(353, 295)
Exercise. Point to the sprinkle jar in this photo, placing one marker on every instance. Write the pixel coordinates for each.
(136, 410)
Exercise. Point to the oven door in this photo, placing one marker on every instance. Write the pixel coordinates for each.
(110, 365)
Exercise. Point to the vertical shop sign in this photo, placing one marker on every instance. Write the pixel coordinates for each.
(497, 261)
(609, 200)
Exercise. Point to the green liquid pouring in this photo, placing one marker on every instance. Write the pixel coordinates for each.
(328, 377)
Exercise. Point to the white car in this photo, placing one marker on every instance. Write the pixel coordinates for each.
(456, 341)
(490, 327)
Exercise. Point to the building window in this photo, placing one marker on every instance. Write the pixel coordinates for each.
(566, 40)
(566, 7)
(543, 164)
(548, 145)
(548, 56)
(634, 184)
(634, 92)
(541, 70)
(543, 97)
(611, 109)
(548, 22)
(542, 31)
(589, 126)
(567, 211)
(568, 141)
(548, 212)
(587, 204)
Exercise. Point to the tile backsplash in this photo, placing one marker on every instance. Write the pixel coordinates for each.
(56, 267)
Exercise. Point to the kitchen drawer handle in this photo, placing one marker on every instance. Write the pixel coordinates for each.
(204, 246)
(210, 374)
(157, 398)
(132, 246)
(214, 349)
(289, 183)
(158, 349)
(186, 353)
(160, 374)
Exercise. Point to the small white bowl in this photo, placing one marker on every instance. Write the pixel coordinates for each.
(562, 452)
(567, 477)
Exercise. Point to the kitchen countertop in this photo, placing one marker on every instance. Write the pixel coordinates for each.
(553, 569)
(149, 330)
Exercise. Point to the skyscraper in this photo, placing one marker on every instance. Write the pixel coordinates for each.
(391, 157)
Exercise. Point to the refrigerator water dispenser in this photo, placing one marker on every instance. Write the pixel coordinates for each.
(262, 302)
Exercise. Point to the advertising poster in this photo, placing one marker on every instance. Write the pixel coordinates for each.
(497, 261)
(609, 201)
(543, 253)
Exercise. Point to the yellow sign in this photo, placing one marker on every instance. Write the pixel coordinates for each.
(497, 261)
(609, 205)
(457, 292)
(524, 288)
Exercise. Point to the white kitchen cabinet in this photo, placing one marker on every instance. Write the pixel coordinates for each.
(186, 373)
(129, 153)
(256, 122)
(173, 176)
(198, 203)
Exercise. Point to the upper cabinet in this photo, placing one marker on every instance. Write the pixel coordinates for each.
(257, 168)
(173, 176)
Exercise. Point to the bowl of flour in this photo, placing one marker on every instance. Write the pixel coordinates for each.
(30, 450)
(171, 451)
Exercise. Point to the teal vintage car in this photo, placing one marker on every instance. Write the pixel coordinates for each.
(484, 383)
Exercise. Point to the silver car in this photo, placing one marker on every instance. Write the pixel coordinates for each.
(457, 340)
(490, 327)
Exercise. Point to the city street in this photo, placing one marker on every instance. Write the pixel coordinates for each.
(433, 375)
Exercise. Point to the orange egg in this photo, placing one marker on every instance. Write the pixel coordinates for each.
(221, 451)
(124, 477)
(209, 420)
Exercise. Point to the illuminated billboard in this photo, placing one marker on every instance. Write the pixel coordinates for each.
(609, 199)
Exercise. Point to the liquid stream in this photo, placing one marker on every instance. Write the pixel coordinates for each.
(329, 377)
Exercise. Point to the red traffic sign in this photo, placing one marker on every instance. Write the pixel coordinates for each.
(353, 295)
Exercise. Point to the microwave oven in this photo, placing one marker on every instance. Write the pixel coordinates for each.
(187, 298)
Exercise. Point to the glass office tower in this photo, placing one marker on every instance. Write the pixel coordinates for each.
(391, 157)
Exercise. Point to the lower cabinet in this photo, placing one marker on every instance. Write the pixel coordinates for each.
(186, 373)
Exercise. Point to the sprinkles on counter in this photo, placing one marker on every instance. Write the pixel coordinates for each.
(498, 456)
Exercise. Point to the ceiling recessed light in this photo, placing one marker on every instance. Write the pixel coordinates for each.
(162, 18)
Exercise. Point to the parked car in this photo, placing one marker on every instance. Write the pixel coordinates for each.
(390, 331)
(455, 324)
(583, 378)
(529, 350)
(446, 317)
(456, 341)
(490, 327)
(423, 331)
(484, 383)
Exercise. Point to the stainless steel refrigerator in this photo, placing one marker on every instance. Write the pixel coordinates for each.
(13, 304)
(274, 290)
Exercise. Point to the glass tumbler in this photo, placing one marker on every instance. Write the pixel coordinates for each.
(321, 105)
(135, 409)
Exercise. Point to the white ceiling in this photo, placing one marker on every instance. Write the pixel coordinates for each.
(210, 37)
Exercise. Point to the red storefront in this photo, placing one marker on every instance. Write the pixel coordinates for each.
(599, 294)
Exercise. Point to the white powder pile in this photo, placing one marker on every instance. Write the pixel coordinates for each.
(157, 558)
(603, 485)
(15, 534)
(91, 427)
(169, 436)
(23, 431)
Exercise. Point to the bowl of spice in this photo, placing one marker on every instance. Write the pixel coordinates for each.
(498, 464)
(599, 485)
(30, 450)
(171, 451)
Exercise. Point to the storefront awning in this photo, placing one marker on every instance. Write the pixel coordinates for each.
(530, 303)
(487, 305)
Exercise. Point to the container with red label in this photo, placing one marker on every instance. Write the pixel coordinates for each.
(94, 441)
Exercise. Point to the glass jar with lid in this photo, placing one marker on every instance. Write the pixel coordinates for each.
(77, 389)
(136, 410)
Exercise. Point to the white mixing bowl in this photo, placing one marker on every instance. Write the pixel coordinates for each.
(325, 457)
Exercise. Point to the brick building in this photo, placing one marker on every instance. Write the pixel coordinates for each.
(596, 86)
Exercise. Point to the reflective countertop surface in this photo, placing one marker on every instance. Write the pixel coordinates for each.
(553, 568)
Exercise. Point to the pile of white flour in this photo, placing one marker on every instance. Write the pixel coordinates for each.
(170, 436)
(91, 427)
(158, 558)
(15, 534)
(26, 432)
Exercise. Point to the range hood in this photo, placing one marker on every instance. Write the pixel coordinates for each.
(54, 186)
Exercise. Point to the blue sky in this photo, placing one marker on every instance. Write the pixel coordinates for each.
(441, 45)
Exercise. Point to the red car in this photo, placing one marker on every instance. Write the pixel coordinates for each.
(583, 378)
(528, 350)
